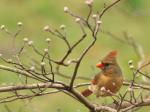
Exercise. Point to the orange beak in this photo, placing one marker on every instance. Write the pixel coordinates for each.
(99, 65)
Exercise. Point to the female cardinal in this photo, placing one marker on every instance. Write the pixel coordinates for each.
(109, 80)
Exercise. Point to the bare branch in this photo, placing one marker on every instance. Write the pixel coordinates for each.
(32, 86)
(107, 8)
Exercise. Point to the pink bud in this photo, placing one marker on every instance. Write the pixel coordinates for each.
(89, 2)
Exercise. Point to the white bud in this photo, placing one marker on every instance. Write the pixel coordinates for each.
(131, 67)
(103, 89)
(30, 43)
(46, 50)
(42, 63)
(130, 62)
(1, 55)
(66, 9)
(99, 22)
(2, 27)
(89, 2)
(94, 16)
(69, 61)
(25, 39)
(32, 68)
(77, 20)
(19, 23)
(48, 40)
(46, 28)
(62, 27)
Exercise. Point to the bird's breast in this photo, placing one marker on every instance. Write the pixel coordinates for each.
(109, 83)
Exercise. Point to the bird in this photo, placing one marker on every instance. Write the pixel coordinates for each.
(109, 80)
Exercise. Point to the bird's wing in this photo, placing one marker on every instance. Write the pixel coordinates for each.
(94, 81)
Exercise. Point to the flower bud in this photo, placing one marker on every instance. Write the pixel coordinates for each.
(66, 9)
(77, 20)
(42, 63)
(99, 22)
(25, 39)
(131, 67)
(130, 62)
(32, 68)
(69, 62)
(46, 28)
(48, 40)
(2, 27)
(62, 27)
(103, 89)
(94, 16)
(30, 43)
(46, 50)
(89, 2)
(19, 23)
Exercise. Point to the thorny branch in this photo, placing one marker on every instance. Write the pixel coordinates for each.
(46, 75)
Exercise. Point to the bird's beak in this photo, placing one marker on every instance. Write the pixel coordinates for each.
(100, 65)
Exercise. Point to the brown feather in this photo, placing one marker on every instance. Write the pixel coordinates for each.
(86, 92)
(112, 54)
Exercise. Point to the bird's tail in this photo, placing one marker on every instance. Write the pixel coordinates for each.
(86, 92)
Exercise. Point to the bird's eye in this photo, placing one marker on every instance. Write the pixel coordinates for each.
(106, 64)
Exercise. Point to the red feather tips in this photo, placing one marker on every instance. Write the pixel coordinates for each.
(112, 54)
(99, 65)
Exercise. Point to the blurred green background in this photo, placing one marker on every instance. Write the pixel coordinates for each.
(132, 16)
